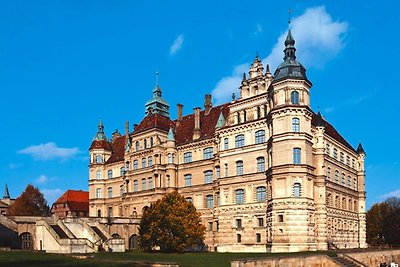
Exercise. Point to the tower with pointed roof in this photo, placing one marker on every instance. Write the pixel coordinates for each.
(6, 194)
(157, 104)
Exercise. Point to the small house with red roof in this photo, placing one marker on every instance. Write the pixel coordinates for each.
(73, 203)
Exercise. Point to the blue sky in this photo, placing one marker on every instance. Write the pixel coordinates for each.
(63, 64)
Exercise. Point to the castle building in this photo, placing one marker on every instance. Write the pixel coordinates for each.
(73, 203)
(265, 171)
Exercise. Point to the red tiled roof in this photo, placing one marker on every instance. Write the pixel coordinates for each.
(76, 200)
(184, 129)
(331, 131)
(118, 150)
(154, 121)
(100, 144)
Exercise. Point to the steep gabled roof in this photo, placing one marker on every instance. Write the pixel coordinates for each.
(330, 130)
(118, 150)
(154, 121)
(76, 200)
(184, 129)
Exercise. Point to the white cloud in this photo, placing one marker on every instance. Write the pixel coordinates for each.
(51, 195)
(259, 29)
(42, 179)
(177, 45)
(49, 151)
(318, 39)
(395, 193)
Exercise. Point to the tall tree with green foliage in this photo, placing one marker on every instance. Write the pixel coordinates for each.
(383, 223)
(172, 224)
(30, 203)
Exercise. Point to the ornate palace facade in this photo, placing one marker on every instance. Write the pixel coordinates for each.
(264, 170)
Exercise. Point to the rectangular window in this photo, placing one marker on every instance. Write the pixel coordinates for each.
(143, 162)
(239, 196)
(239, 141)
(109, 192)
(135, 164)
(260, 222)
(296, 125)
(187, 157)
(258, 238)
(239, 224)
(208, 153)
(349, 181)
(328, 149)
(348, 160)
(210, 226)
(188, 180)
(335, 153)
(150, 161)
(208, 177)
(261, 194)
(226, 144)
(341, 157)
(296, 156)
(209, 202)
(217, 172)
(260, 164)
(353, 163)
(135, 186)
(239, 167)
(144, 184)
(260, 137)
(150, 183)
(239, 238)
(343, 179)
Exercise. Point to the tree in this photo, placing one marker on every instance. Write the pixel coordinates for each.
(30, 203)
(171, 224)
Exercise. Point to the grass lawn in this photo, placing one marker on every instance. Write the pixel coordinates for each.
(27, 259)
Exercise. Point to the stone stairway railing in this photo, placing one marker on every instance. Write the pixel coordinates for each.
(7, 222)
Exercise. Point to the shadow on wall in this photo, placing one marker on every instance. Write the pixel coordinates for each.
(9, 238)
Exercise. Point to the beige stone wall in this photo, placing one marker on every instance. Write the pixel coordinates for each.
(300, 261)
(375, 258)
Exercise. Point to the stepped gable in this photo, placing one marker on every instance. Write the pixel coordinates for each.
(100, 144)
(331, 131)
(118, 150)
(185, 128)
(76, 200)
(154, 121)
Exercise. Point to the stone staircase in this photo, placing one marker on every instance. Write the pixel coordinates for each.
(345, 262)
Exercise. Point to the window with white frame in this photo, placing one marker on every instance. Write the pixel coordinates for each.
(109, 192)
(335, 153)
(170, 159)
(348, 160)
(297, 156)
(296, 125)
(294, 97)
(99, 159)
(239, 167)
(188, 179)
(98, 175)
(187, 157)
(260, 136)
(209, 201)
(98, 193)
(261, 194)
(260, 164)
(239, 196)
(150, 161)
(135, 164)
(208, 153)
(296, 189)
(109, 174)
(336, 176)
(239, 140)
(122, 171)
(208, 177)
(226, 144)
(144, 184)
(135, 186)
(143, 162)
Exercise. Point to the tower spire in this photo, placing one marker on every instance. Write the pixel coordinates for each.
(100, 132)
(6, 193)
(157, 105)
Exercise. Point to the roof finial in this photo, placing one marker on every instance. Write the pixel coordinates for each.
(289, 17)
(156, 78)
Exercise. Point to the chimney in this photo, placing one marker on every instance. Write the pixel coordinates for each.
(196, 131)
(207, 104)
(180, 108)
(127, 128)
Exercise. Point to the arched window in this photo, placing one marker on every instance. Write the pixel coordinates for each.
(344, 203)
(208, 177)
(348, 181)
(98, 175)
(296, 125)
(239, 141)
(226, 144)
(348, 160)
(98, 193)
(188, 179)
(127, 165)
(150, 183)
(144, 183)
(189, 199)
(208, 153)
(294, 97)
(209, 201)
(217, 172)
(335, 153)
(328, 173)
(150, 161)
(350, 206)
(135, 186)
(296, 189)
(343, 179)
(239, 196)
(341, 157)
(145, 143)
(122, 171)
(261, 194)
(143, 163)
(151, 142)
(239, 167)
(135, 164)
(137, 146)
(260, 164)
(99, 159)
(355, 183)
(336, 176)
(328, 149)
(109, 192)
(110, 174)
(296, 156)
(260, 137)
(169, 160)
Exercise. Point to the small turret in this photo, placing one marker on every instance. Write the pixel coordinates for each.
(171, 136)
(6, 193)
(100, 132)
(319, 121)
(360, 150)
